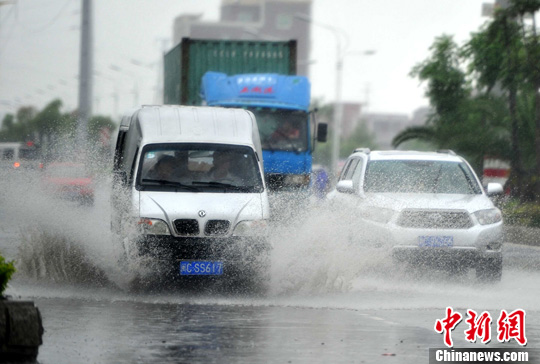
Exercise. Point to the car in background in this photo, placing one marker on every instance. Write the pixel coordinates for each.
(20, 156)
(427, 207)
(70, 181)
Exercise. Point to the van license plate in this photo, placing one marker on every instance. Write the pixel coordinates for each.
(436, 241)
(199, 268)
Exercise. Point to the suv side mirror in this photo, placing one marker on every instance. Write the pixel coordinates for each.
(345, 186)
(494, 189)
(322, 132)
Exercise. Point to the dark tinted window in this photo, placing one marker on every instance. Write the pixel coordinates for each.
(8, 154)
(29, 153)
(282, 129)
(348, 169)
(199, 168)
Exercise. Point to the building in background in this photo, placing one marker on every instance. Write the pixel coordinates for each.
(384, 126)
(253, 19)
(351, 117)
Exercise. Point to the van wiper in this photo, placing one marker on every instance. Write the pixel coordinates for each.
(226, 186)
(165, 182)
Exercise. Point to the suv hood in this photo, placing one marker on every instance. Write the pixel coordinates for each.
(424, 201)
(230, 206)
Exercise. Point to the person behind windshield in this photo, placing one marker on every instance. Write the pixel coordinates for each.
(285, 132)
(222, 169)
(181, 170)
(163, 169)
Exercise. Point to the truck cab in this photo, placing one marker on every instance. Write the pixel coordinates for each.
(288, 130)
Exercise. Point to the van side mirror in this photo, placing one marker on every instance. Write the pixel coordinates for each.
(494, 189)
(345, 186)
(322, 132)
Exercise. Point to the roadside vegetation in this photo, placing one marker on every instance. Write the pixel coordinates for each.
(53, 130)
(7, 269)
(485, 97)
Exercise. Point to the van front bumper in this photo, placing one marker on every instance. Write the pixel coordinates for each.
(182, 248)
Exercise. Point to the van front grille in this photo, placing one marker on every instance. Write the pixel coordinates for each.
(217, 227)
(186, 227)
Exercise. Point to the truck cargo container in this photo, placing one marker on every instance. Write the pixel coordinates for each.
(186, 63)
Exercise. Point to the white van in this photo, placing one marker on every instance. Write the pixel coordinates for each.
(193, 180)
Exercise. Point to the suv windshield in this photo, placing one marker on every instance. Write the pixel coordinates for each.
(199, 168)
(282, 129)
(420, 176)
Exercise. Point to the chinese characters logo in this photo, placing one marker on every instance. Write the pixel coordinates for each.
(509, 326)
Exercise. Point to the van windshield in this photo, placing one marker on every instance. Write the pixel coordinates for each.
(199, 168)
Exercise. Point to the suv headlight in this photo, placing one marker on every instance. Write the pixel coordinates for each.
(487, 217)
(154, 226)
(251, 228)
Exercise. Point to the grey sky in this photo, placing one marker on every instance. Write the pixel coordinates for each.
(39, 52)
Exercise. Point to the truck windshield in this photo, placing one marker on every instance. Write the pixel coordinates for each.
(199, 168)
(280, 129)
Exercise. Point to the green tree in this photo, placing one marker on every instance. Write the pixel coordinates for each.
(520, 9)
(474, 126)
(448, 92)
(7, 269)
(95, 126)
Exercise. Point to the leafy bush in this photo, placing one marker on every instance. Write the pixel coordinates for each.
(6, 271)
(524, 214)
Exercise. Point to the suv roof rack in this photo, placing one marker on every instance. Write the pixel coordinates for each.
(446, 151)
(362, 150)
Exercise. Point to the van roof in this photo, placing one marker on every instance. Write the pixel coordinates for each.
(170, 123)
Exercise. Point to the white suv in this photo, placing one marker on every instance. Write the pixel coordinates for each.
(429, 206)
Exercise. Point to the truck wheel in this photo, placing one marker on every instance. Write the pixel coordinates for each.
(489, 269)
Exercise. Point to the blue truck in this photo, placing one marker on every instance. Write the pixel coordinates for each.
(287, 128)
(258, 75)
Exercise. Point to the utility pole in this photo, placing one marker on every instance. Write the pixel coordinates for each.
(85, 75)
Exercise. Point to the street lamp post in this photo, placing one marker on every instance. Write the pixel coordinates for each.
(341, 52)
(85, 73)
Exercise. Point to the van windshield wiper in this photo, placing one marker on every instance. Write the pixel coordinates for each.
(165, 182)
(226, 186)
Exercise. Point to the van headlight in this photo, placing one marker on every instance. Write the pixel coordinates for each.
(251, 228)
(487, 217)
(153, 226)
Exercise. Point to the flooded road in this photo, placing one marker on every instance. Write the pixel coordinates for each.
(378, 320)
(327, 302)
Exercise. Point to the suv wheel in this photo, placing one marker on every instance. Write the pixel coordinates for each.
(489, 269)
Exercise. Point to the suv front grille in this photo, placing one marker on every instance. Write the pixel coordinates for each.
(217, 227)
(435, 219)
(189, 227)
